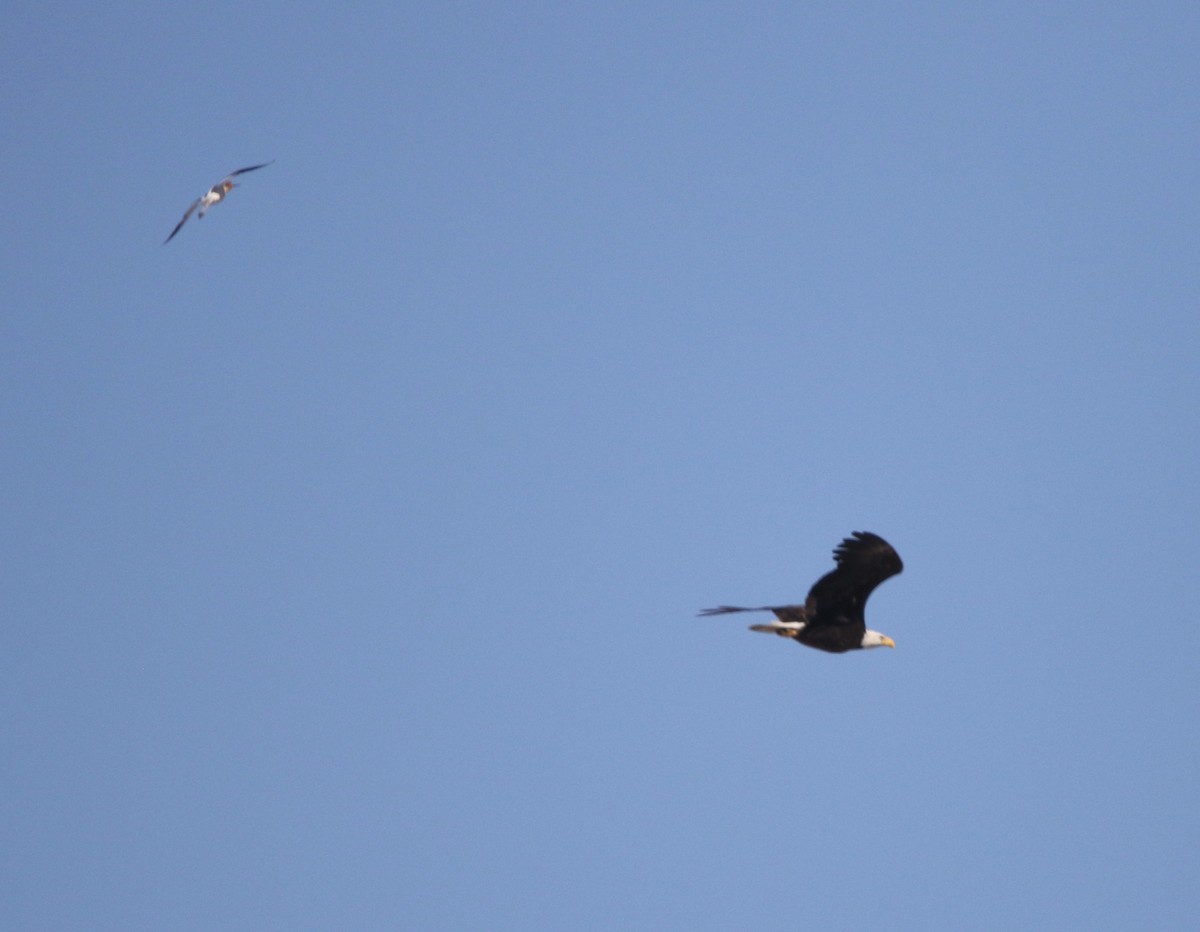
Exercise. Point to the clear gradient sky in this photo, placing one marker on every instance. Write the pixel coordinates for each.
(354, 540)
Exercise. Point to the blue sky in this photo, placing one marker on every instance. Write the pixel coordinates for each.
(355, 538)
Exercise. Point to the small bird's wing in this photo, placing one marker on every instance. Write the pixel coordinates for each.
(191, 210)
(864, 560)
(248, 168)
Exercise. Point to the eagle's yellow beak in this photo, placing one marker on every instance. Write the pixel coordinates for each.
(887, 641)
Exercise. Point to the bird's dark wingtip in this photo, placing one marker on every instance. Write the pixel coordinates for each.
(251, 168)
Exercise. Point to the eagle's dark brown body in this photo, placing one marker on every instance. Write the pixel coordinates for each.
(832, 617)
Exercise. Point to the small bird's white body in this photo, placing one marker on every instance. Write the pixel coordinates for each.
(214, 196)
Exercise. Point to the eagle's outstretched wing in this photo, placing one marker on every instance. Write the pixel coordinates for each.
(864, 560)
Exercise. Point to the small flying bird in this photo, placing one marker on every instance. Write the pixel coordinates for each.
(214, 195)
(831, 618)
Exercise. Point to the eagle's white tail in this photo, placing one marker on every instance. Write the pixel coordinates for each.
(785, 629)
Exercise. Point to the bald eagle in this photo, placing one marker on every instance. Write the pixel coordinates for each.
(831, 618)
